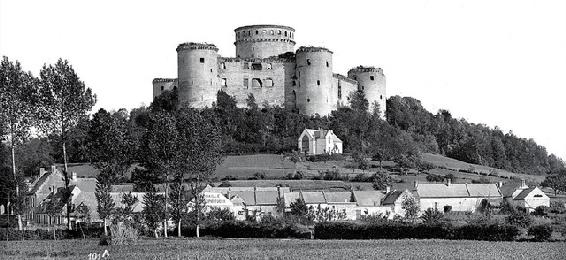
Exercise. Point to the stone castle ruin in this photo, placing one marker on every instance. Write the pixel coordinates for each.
(267, 66)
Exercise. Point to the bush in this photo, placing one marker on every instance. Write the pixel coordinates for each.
(122, 234)
(541, 232)
(43, 234)
(557, 207)
(434, 178)
(325, 157)
(541, 211)
(400, 230)
(104, 240)
(519, 219)
(239, 229)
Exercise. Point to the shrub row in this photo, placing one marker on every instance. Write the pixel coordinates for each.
(43, 234)
(237, 229)
(355, 230)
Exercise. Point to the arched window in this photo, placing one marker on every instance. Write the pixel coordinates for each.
(305, 144)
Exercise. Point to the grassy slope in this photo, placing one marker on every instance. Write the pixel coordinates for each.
(284, 248)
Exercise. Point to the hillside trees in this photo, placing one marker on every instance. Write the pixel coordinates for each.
(17, 110)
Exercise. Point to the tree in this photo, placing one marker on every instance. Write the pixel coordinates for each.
(299, 208)
(109, 144)
(411, 207)
(432, 216)
(106, 205)
(556, 181)
(153, 211)
(64, 101)
(17, 109)
(83, 214)
(381, 180)
(201, 145)
(178, 202)
(126, 213)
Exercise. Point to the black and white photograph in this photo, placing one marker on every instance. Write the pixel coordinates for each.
(418, 129)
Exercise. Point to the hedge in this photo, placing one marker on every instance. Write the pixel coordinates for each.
(394, 230)
(43, 234)
(237, 229)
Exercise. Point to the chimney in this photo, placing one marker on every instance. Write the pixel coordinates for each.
(523, 184)
(53, 168)
(387, 189)
(448, 181)
(499, 184)
(74, 176)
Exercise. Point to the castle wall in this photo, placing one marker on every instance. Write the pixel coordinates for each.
(162, 84)
(314, 75)
(343, 87)
(198, 74)
(263, 41)
(264, 78)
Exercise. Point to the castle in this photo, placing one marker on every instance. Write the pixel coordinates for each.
(267, 66)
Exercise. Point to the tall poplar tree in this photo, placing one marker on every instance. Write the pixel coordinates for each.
(17, 111)
(65, 100)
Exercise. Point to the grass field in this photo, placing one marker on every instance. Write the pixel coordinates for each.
(283, 248)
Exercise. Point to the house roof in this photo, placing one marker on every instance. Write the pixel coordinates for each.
(321, 133)
(368, 198)
(524, 193)
(483, 190)
(440, 190)
(122, 188)
(391, 197)
(313, 197)
(337, 196)
(290, 197)
(266, 197)
(509, 188)
(247, 196)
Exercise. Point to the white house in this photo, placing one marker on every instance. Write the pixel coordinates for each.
(456, 197)
(319, 142)
(524, 196)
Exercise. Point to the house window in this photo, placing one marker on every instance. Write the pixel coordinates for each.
(380, 96)
(285, 33)
(308, 62)
(246, 83)
(294, 83)
(363, 87)
(371, 78)
(538, 196)
(224, 65)
(308, 100)
(268, 66)
(162, 88)
(246, 65)
(271, 32)
(327, 64)
(256, 83)
(224, 82)
(279, 32)
(256, 66)
(264, 31)
(339, 90)
(201, 60)
(256, 32)
(269, 82)
(318, 82)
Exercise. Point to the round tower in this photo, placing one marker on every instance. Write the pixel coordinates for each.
(314, 75)
(263, 41)
(197, 65)
(372, 82)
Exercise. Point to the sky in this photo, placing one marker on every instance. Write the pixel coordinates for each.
(502, 63)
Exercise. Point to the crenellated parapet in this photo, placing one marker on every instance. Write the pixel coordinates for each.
(196, 46)
(164, 80)
(313, 49)
(361, 69)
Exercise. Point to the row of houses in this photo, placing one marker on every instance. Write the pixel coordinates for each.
(47, 204)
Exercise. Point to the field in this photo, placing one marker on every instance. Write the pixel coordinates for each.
(284, 248)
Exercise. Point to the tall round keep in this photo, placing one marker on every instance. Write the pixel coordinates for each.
(371, 81)
(197, 65)
(263, 41)
(314, 75)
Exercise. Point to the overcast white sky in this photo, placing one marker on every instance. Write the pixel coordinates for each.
(502, 63)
